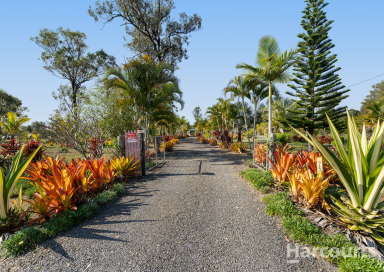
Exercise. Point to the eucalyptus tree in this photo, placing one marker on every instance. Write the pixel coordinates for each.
(239, 87)
(150, 27)
(65, 56)
(272, 67)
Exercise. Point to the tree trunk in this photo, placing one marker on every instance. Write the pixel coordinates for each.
(238, 133)
(270, 136)
(233, 127)
(254, 126)
(246, 126)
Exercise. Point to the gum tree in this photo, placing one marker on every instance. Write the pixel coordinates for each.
(150, 27)
(64, 55)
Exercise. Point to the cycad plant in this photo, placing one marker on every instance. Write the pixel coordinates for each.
(362, 173)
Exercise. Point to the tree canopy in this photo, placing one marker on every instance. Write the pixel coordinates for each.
(9, 103)
(64, 55)
(149, 24)
(318, 88)
(376, 94)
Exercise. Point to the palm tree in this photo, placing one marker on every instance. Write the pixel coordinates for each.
(214, 113)
(241, 88)
(259, 91)
(223, 107)
(141, 80)
(282, 110)
(272, 67)
(12, 123)
(183, 122)
(234, 115)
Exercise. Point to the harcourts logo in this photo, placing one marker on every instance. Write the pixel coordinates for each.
(294, 253)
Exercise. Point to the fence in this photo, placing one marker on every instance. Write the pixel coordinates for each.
(132, 144)
(153, 155)
(260, 152)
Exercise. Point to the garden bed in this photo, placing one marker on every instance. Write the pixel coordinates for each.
(311, 228)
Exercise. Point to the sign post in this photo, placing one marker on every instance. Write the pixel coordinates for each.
(142, 140)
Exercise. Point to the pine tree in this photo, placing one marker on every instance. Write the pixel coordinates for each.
(318, 88)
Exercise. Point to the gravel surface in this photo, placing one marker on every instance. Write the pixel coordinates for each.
(192, 214)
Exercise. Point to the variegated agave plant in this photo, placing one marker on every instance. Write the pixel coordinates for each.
(362, 173)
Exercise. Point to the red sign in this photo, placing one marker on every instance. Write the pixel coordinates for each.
(131, 138)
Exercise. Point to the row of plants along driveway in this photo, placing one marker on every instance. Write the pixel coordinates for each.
(330, 201)
(67, 194)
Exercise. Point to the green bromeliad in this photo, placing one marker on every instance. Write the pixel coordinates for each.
(362, 173)
(8, 181)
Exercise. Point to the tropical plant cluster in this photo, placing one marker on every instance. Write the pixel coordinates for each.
(60, 186)
(348, 185)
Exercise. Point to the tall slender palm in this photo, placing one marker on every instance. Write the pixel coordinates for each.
(241, 88)
(140, 80)
(12, 123)
(223, 107)
(214, 113)
(183, 122)
(234, 115)
(272, 67)
(259, 91)
(282, 110)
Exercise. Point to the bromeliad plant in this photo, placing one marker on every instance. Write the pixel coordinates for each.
(125, 166)
(8, 182)
(362, 173)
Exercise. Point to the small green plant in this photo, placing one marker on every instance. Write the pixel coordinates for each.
(63, 149)
(150, 164)
(119, 189)
(106, 197)
(262, 180)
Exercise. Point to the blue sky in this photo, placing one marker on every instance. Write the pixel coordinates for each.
(231, 30)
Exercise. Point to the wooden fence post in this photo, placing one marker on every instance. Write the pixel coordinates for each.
(121, 141)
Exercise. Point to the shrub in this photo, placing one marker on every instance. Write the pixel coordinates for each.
(30, 147)
(283, 138)
(212, 142)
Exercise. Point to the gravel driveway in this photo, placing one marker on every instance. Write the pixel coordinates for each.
(192, 214)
